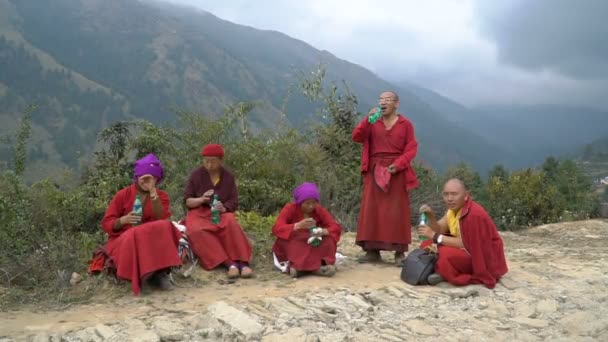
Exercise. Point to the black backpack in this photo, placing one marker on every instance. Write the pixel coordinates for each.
(417, 266)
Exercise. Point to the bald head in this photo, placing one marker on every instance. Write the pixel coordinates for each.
(455, 194)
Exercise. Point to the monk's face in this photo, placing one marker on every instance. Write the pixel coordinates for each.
(454, 195)
(213, 164)
(388, 102)
(308, 206)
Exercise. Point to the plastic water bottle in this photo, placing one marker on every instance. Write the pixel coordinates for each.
(215, 214)
(137, 207)
(423, 222)
(374, 117)
(315, 242)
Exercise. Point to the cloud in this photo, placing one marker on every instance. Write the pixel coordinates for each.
(474, 51)
(564, 36)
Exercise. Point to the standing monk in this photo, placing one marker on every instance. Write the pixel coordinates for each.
(389, 146)
(216, 244)
(292, 230)
(141, 245)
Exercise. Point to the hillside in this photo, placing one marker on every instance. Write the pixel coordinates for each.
(528, 133)
(87, 63)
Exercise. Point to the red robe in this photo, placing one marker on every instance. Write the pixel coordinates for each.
(292, 245)
(384, 217)
(138, 251)
(482, 261)
(215, 244)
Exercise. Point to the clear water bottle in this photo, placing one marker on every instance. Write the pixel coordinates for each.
(137, 206)
(423, 222)
(314, 241)
(374, 117)
(215, 214)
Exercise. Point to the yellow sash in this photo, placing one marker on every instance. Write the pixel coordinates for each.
(454, 222)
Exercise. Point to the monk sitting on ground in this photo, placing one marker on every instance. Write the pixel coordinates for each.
(142, 242)
(222, 243)
(469, 246)
(295, 241)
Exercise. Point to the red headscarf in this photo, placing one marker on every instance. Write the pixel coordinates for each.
(213, 150)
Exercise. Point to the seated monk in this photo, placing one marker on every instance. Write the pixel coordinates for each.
(141, 246)
(292, 230)
(469, 247)
(216, 244)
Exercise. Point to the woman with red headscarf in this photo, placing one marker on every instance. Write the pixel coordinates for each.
(224, 243)
(307, 234)
(142, 244)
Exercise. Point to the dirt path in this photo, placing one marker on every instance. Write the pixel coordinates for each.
(556, 289)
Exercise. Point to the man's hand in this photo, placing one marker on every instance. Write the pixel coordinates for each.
(206, 198)
(131, 218)
(392, 169)
(425, 208)
(305, 224)
(220, 206)
(426, 231)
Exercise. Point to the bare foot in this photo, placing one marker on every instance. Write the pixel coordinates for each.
(233, 272)
(246, 272)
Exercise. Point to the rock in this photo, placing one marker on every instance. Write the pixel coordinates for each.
(292, 335)
(236, 319)
(104, 331)
(167, 329)
(463, 292)
(88, 335)
(546, 306)
(135, 324)
(525, 310)
(334, 337)
(578, 323)
(358, 302)
(40, 337)
(496, 310)
(75, 279)
(420, 327)
(509, 283)
(531, 322)
(143, 336)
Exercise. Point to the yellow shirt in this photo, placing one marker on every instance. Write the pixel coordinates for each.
(454, 222)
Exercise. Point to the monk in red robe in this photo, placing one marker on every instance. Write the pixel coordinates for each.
(389, 146)
(295, 243)
(469, 247)
(142, 244)
(225, 243)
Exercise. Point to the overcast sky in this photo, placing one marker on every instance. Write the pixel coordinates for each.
(473, 51)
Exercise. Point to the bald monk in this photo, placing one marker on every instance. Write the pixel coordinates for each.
(389, 146)
(223, 244)
(292, 230)
(469, 246)
(141, 246)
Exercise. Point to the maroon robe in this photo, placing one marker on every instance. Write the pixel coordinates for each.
(482, 260)
(384, 217)
(215, 244)
(138, 251)
(291, 245)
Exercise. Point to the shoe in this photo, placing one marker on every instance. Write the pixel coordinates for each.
(399, 259)
(370, 257)
(293, 272)
(162, 280)
(326, 271)
(434, 279)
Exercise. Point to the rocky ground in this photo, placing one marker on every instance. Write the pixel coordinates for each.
(556, 290)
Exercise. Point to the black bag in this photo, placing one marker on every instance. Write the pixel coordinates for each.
(417, 266)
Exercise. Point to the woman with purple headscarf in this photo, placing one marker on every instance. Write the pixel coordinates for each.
(307, 235)
(141, 246)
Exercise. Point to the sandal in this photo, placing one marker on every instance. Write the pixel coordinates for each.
(246, 272)
(233, 272)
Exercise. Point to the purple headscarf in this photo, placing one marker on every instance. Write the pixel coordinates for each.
(305, 191)
(148, 165)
